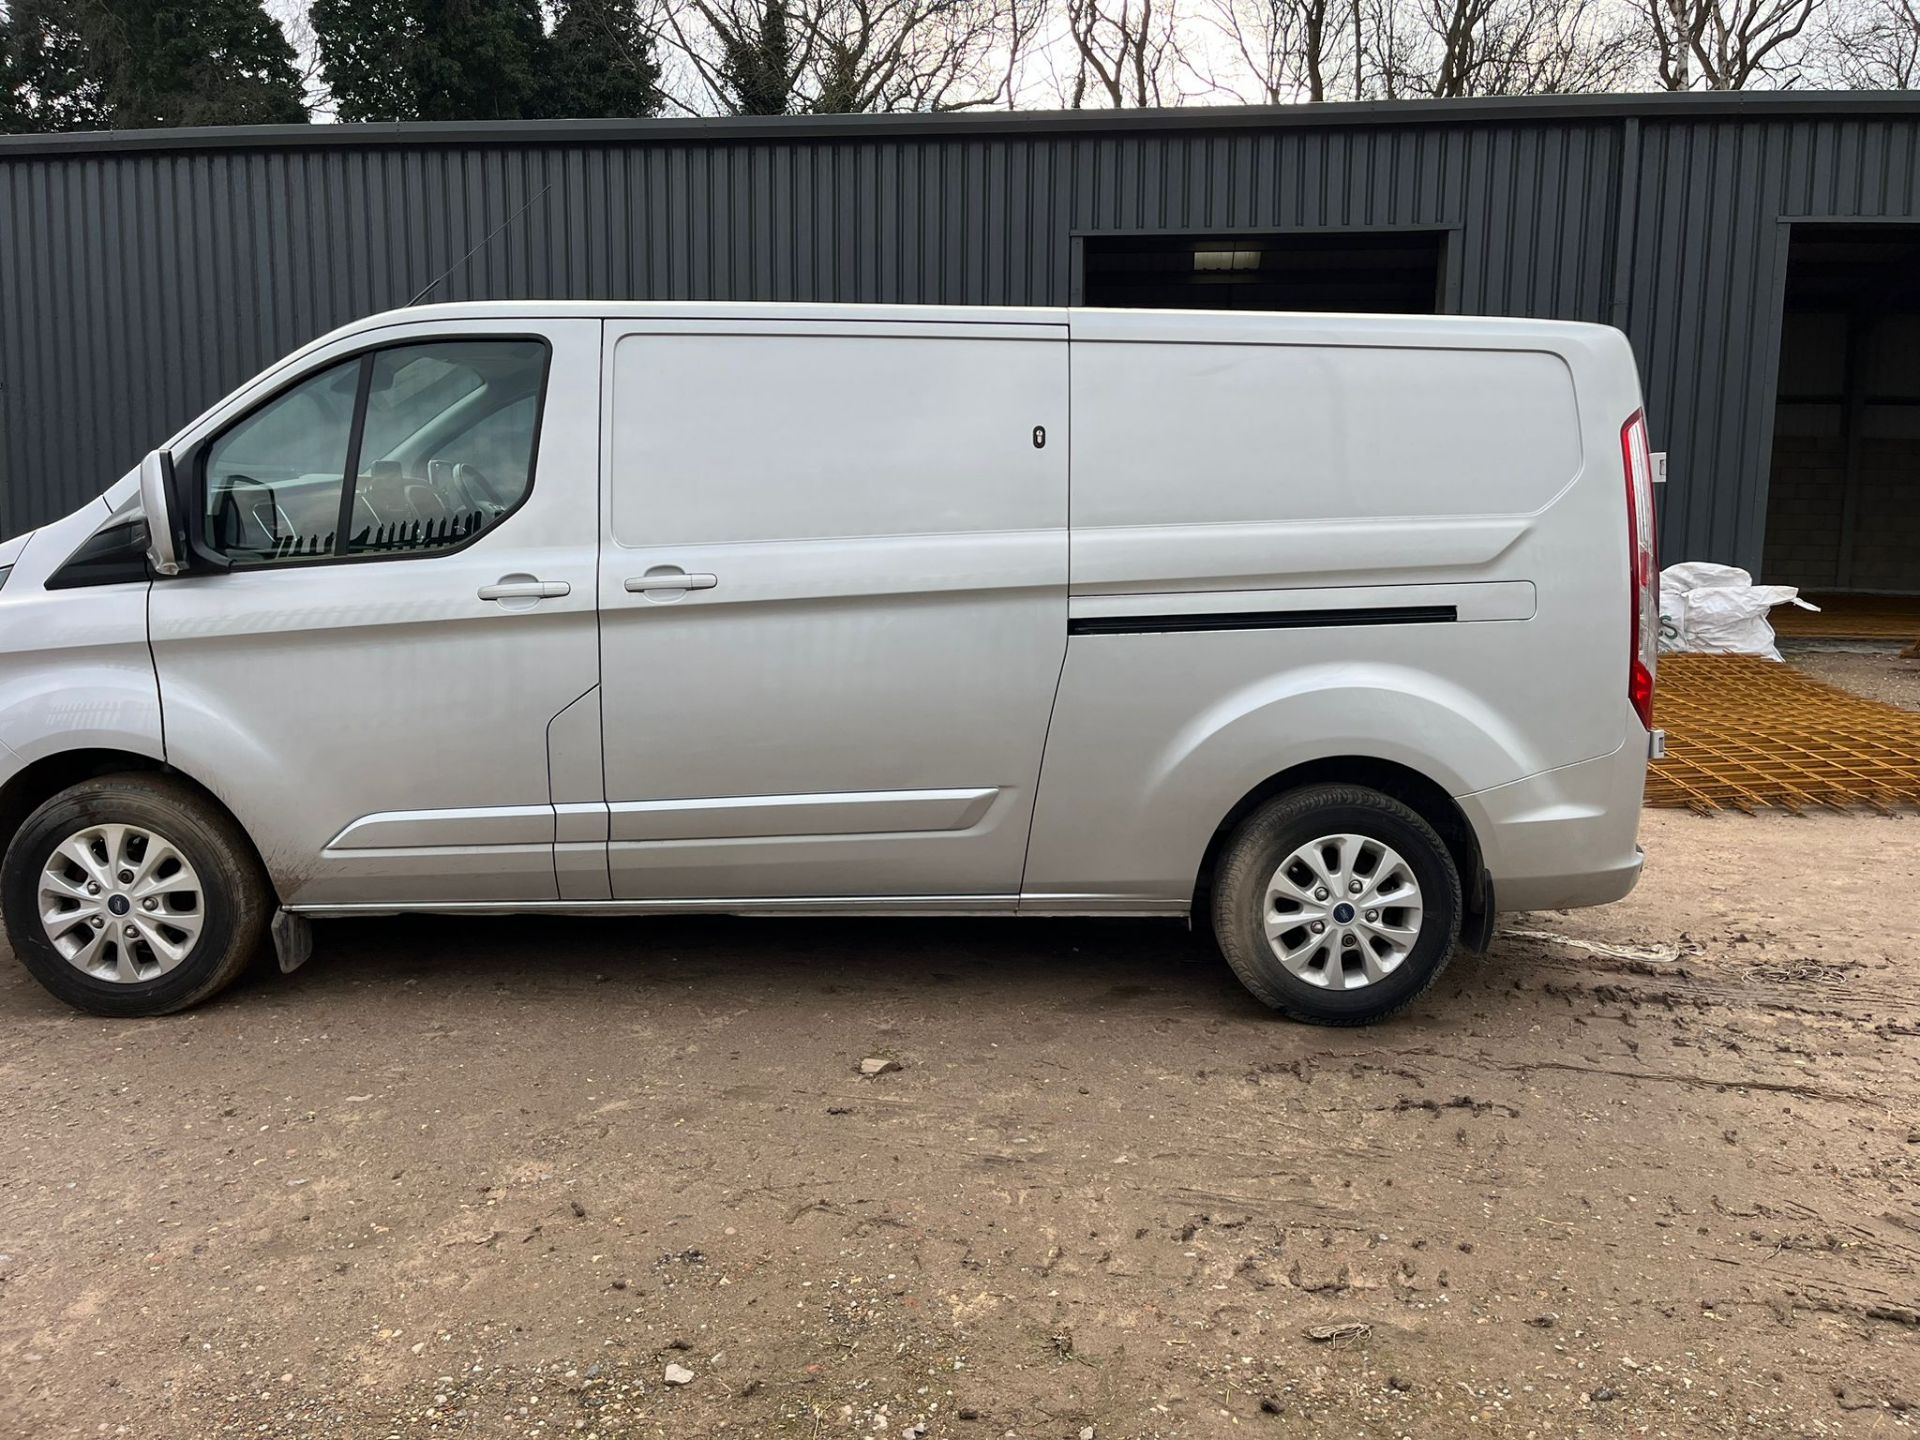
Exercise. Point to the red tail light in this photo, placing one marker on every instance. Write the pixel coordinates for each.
(1637, 457)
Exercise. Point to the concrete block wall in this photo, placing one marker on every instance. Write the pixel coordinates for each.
(1803, 512)
(1886, 538)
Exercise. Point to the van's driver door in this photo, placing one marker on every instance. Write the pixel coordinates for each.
(833, 604)
(406, 636)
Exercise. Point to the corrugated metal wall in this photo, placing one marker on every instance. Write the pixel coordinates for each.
(1710, 218)
(137, 285)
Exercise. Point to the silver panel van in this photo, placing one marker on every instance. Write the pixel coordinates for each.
(1332, 632)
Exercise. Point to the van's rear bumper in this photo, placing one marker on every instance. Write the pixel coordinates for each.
(1563, 838)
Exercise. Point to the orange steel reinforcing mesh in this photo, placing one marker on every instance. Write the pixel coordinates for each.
(1850, 617)
(1744, 733)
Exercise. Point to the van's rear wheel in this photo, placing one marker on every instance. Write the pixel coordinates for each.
(1336, 904)
(132, 895)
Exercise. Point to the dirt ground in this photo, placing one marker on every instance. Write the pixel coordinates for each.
(1878, 672)
(1652, 1170)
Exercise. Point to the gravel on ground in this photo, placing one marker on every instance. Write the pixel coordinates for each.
(1877, 672)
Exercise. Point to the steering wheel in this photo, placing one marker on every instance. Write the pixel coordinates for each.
(473, 480)
(234, 523)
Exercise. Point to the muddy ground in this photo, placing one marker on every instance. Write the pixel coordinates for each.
(492, 1178)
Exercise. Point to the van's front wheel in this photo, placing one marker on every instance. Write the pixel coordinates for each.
(132, 895)
(1336, 904)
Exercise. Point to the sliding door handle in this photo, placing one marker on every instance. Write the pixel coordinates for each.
(514, 587)
(665, 579)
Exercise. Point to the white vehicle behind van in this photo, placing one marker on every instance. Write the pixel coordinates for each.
(1333, 632)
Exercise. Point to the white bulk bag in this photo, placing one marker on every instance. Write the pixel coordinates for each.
(1708, 609)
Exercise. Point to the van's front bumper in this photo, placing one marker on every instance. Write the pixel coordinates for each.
(1563, 838)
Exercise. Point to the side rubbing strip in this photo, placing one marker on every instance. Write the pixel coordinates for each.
(1262, 620)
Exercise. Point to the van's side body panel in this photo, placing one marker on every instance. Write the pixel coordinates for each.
(381, 730)
(1008, 608)
(1301, 538)
(1563, 838)
(75, 673)
(853, 700)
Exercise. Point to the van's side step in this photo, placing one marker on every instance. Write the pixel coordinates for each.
(1262, 620)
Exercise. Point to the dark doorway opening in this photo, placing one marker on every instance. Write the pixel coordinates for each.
(1372, 271)
(1843, 500)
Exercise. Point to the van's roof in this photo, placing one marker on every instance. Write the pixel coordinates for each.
(1243, 326)
(1578, 344)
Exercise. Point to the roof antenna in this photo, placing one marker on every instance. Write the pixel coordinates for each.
(484, 241)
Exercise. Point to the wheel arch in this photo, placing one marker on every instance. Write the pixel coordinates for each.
(40, 780)
(1420, 793)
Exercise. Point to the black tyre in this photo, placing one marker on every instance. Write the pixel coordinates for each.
(1336, 904)
(132, 895)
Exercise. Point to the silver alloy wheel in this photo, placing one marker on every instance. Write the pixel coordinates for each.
(121, 903)
(1342, 912)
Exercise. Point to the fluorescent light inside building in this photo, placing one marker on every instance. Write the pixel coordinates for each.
(1212, 259)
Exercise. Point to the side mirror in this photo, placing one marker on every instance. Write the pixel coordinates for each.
(156, 499)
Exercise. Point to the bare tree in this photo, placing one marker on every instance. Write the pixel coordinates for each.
(1019, 34)
(1126, 53)
(1387, 38)
(296, 18)
(1289, 49)
(743, 54)
(1407, 49)
(1449, 48)
(777, 57)
(1462, 30)
(1726, 44)
(1874, 45)
(902, 54)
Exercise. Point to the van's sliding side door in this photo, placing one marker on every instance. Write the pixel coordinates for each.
(833, 604)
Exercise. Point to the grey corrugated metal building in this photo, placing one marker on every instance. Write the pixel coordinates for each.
(1762, 252)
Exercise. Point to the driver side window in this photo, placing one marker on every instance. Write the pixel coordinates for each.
(273, 480)
(408, 450)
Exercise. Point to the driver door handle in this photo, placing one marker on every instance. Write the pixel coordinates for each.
(526, 590)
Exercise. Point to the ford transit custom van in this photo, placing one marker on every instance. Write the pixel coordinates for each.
(1332, 633)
